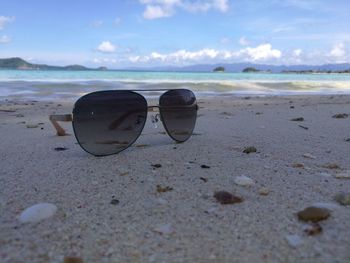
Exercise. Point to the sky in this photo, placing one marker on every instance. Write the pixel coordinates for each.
(145, 33)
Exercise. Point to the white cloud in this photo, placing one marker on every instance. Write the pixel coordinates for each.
(166, 8)
(297, 52)
(243, 41)
(5, 39)
(156, 11)
(106, 47)
(338, 50)
(5, 20)
(263, 52)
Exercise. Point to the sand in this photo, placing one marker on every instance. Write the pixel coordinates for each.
(186, 223)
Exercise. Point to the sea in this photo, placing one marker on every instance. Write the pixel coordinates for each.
(69, 85)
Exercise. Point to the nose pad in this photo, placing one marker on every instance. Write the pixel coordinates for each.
(155, 119)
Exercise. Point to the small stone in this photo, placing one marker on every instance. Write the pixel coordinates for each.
(347, 140)
(161, 189)
(32, 126)
(340, 116)
(226, 198)
(298, 165)
(164, 229)
(309, 156)
(60, 149)
(114, 201)
(203, 179)
(331, 166)
(72, 260)
(205, 166)
(343, 198)
(37, 213)
(294, 240)
(157, 165)
(343, 175)
(264, 191)
(313, 229)
(298, 119)
(250, 149)
(243, 181)
(313, 214)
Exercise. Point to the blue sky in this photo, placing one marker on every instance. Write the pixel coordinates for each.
(128, 33)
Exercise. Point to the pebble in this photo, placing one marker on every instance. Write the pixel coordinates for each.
(313, 229)
(72, 260)
(340, 116)
(264, 191)
(298, 165)
(298, 119)
(226, 198)
(294, 240)
(32, 126)
(313, 214)
(161, 189)
(343, 198)
(114, 201)
(343, 175)
(331, 166)
(243, 181)
(250, 149)
(37, 213)
(164, 229)
(309, 156)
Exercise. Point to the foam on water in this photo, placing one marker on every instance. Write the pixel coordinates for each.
(72, 84)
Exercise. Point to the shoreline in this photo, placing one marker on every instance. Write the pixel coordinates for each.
(63, 89)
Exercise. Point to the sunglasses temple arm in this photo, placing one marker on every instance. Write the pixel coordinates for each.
(54, 120)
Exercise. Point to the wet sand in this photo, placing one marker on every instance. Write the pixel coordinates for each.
(183, 223)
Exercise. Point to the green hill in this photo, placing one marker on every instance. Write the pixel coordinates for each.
(18, 63)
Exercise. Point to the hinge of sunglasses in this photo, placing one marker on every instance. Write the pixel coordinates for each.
(153, 108)
(54, 120)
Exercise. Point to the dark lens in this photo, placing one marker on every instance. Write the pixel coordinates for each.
(107, 122)
(178, 109)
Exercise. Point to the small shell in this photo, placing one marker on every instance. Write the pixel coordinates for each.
(243, 181)
(37, 212)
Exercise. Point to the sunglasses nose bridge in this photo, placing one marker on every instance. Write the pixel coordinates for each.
(153, 108)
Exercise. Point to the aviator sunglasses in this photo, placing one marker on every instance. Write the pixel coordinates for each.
(108, 122)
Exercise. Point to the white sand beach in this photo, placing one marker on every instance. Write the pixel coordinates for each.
(109, 209)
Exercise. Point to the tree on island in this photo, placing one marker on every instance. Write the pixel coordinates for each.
(219, 69)
(250, 70)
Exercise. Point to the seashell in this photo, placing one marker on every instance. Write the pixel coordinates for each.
(37, 213)
(294, 240)
(243, 181)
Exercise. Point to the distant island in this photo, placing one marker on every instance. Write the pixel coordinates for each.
(219, 69)
(20, 64)
(254, 70)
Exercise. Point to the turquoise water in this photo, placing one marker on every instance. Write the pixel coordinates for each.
(137, 76)
(38, 84)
